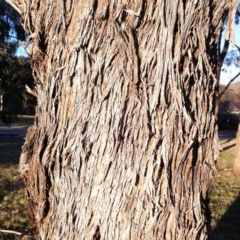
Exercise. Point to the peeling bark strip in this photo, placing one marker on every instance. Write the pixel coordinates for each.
(124, 141)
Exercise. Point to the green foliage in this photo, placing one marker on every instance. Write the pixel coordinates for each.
(8, 118)
(232, 59)
(14, 77)
(25, 121)
(10, 23)
(15, 72)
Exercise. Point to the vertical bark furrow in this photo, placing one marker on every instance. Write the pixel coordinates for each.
(122, 143)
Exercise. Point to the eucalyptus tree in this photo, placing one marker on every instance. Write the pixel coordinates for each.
(11, 32)
(125, 138)
(15, 75)
(10, 23)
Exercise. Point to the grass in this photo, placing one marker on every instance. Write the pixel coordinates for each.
(25, 121)
(225, 197)
(13, 210)
(12, 200)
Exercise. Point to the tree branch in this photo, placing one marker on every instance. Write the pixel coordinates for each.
(221, 57)
(225, 89)
(224, 51)
(237, 47)
(230, 33)
(12, 232)
(15, 6)
(20, 234)
(30, 91)
(10, 36)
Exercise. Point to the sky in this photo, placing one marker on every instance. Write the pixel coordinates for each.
(225, 76)
(21, 51)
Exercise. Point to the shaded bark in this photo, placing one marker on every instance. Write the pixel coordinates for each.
(125, 141)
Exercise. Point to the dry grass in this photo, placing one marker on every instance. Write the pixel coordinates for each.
(25, 121)
(12, 200)
(225, 196)
(13, 210)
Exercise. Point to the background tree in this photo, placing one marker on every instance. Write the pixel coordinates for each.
(224, 57)
(7, 51)
(10, 24)
(16, 75)
(15, 72)
(124, 141)
(230, 97)
(232, 59)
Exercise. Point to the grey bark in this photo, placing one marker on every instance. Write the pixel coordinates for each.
(124, 141)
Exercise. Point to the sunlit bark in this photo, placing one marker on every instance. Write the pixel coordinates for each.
(124, 141)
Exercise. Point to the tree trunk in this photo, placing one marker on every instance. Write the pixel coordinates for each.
(123, 142)
(236, 163)
(1, 102)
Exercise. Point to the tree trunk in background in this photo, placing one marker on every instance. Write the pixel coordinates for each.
(1, 102)
(236, 163)
(123, 145)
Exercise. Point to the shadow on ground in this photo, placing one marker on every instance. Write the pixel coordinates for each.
(228, 147)
(232, 218)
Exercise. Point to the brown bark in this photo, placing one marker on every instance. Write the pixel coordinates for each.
(236, 163)
(123, 142)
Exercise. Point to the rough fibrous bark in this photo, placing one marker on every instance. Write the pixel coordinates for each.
(124, 142)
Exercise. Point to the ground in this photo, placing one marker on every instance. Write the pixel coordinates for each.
(225, 195)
